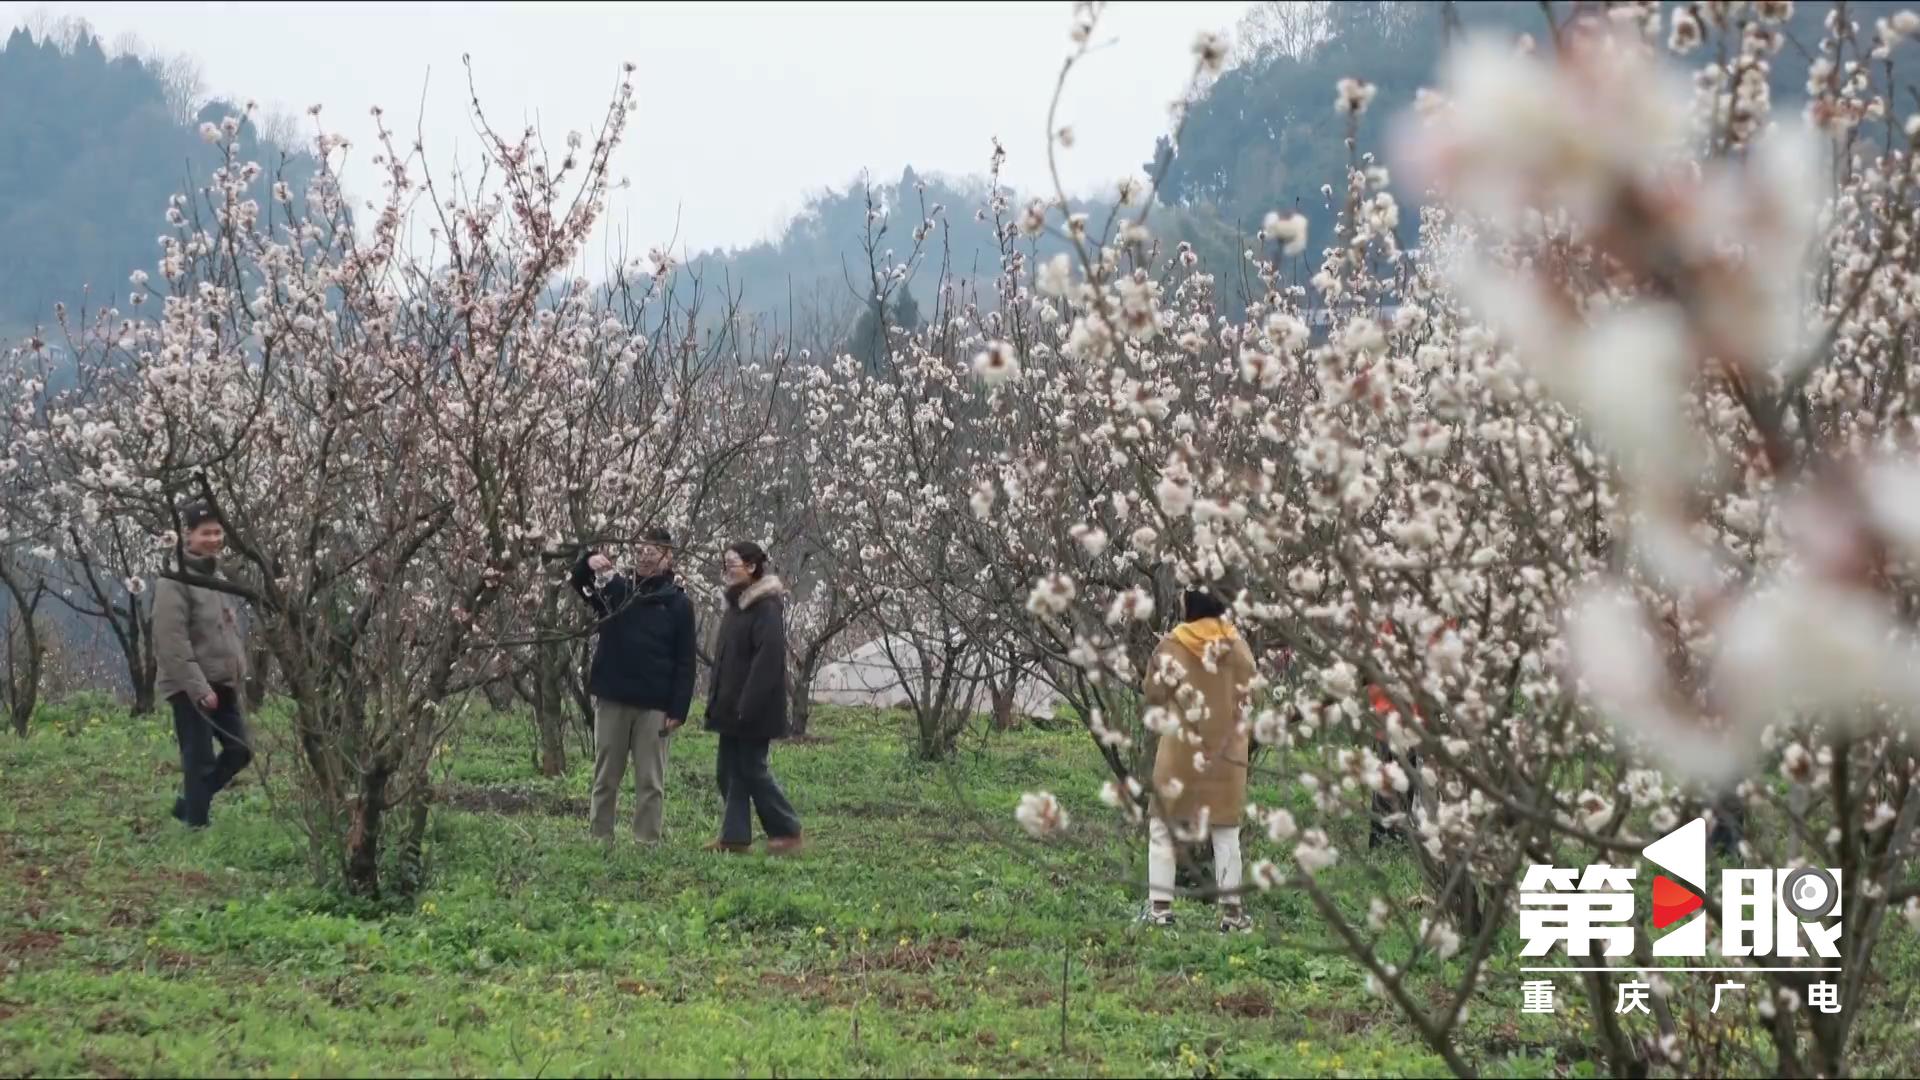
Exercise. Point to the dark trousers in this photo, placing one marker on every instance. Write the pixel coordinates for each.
(1729, 824)
(1386, 805)
(748, 785)
(203, 774)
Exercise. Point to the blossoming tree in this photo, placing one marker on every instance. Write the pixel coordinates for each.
(1591, 518)
(373, 425)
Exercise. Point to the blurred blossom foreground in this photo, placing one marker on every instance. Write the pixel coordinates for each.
(1595, 513)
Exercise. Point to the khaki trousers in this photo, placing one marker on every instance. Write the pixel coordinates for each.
(619, 732)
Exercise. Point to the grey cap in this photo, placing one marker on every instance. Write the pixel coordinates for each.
(195, 514)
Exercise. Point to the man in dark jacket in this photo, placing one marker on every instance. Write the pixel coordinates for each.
(202, 661)
(642, 678)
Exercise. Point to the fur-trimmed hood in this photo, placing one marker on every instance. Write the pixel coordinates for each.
(758, 591)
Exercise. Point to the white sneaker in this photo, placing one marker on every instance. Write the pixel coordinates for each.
(1235, 921)
(1153, 917)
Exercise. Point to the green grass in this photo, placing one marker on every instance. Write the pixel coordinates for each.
(921, 935)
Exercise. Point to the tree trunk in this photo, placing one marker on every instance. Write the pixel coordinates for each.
(939, 711)
(553, 745)
(259, 662)
(549, 698)
(25, 693)
(413, 864)
(930, 746)
(927, 709)
(800, 708)
(143, 668)
(578, 664)
(939, 733)
(941, 721)
(800, 692)
(1465, 904)
(499, 695)
(143, 701)
(550, 711)
(25, 664)
(363, 834)
(1004, 718)
(316, 737)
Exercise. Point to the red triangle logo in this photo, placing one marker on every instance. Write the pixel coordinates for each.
(1672, 901)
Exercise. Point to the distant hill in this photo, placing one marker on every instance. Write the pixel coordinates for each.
(816, 271)
(92, 146)
(1264, 135)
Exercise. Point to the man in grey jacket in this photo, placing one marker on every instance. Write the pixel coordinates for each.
(203, 666)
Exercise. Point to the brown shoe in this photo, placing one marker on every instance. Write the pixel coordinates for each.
(731, 849)
(785, 845)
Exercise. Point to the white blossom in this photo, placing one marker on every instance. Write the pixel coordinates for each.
(1052, 594)
(1353, 95)
(1440, 937)
(996, 363)
(1290, 232)
(1055, 277)
(1313, 853)
(1041, 815)
(1280, 826)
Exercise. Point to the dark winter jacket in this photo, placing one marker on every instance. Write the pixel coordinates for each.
(645, 655)
(748, 699)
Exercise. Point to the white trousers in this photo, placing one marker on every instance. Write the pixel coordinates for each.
(1160, 861)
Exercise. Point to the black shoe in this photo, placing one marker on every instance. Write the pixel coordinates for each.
(180, 813)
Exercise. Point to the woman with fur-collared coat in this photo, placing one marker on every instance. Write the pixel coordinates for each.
(747, 704)
(1199, 675)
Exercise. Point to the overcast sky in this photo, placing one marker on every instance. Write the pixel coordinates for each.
(744, 108)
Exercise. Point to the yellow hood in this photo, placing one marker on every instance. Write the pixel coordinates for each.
(1200, 633)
